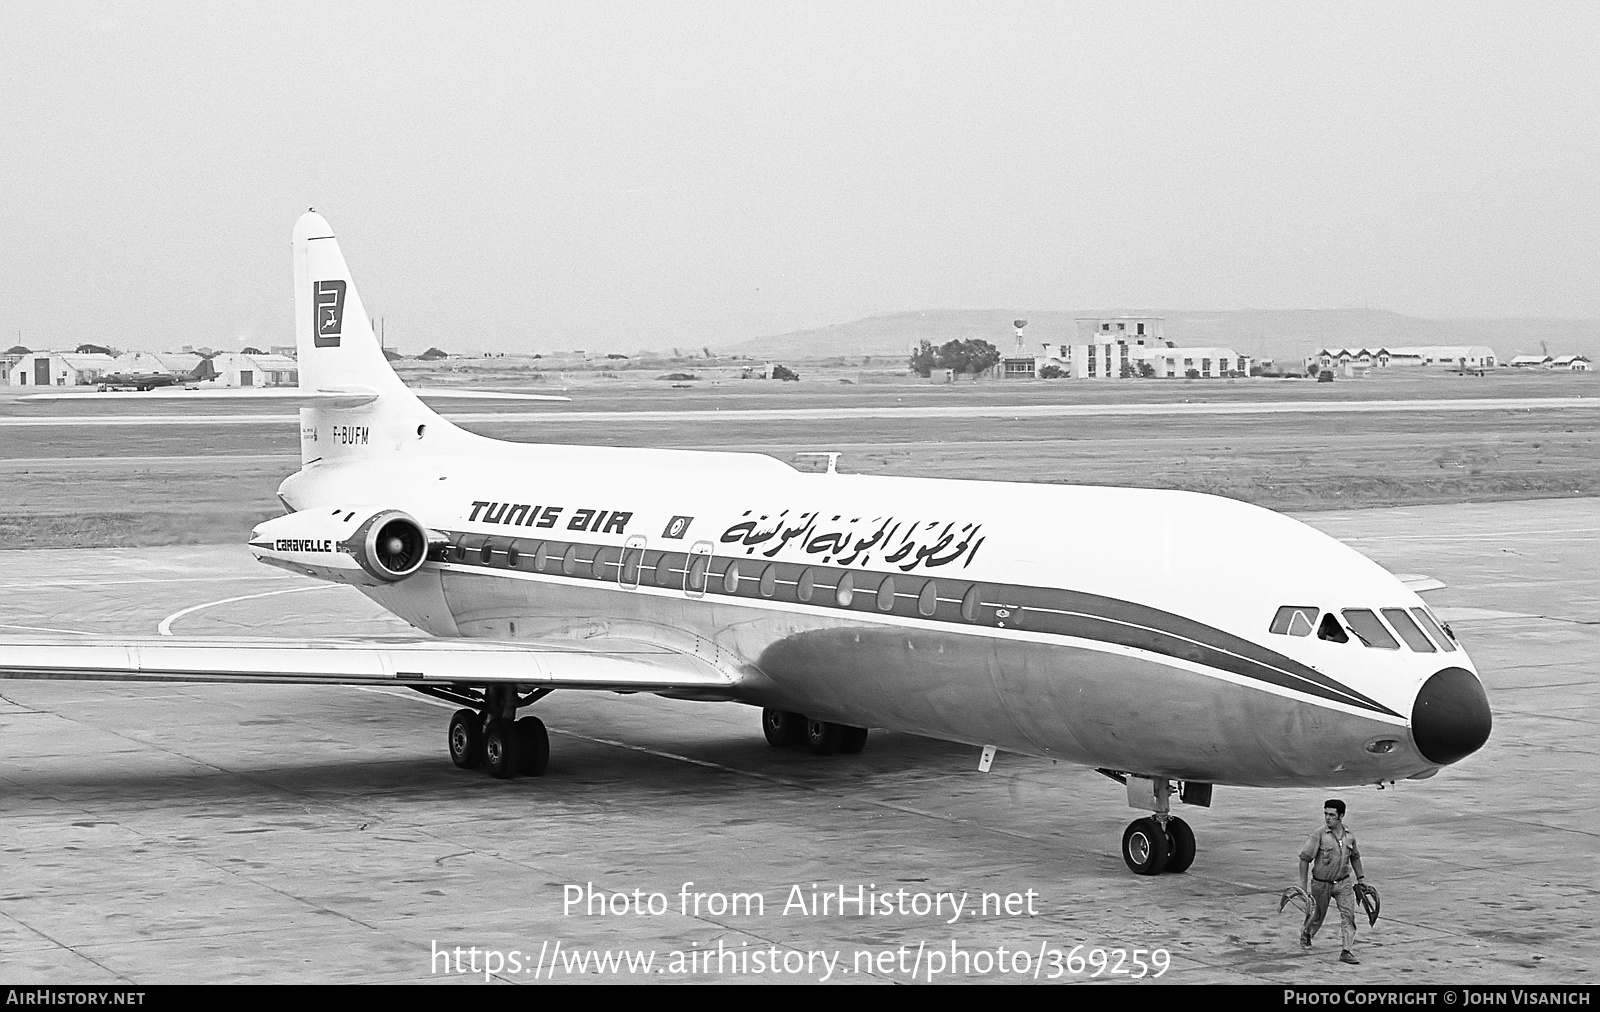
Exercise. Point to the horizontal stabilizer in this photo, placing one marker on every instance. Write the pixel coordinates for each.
(343, 397)
(615, 665)
(445, 393)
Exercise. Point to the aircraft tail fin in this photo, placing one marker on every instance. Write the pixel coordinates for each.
(338, 352)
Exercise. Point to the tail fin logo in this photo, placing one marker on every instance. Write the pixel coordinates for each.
(327, 299)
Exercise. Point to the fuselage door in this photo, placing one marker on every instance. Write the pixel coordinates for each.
(632, 556)
(694, 574)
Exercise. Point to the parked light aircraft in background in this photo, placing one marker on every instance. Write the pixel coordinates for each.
(151, 380)
(1152, 635)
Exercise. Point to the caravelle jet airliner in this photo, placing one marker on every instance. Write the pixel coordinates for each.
(1173, 641)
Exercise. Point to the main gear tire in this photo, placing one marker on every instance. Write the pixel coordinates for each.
(1182, 839)
(533, 743)
(1145, 847)
(852, 739)
(465, 739)
(500, 749)
(822, 737)
(782, 727)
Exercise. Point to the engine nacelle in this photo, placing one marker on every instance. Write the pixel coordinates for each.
(362, 545)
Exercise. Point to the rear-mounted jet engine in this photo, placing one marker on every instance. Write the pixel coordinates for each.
(360, 545)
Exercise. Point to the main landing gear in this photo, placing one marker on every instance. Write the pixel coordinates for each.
(492, 738)
(1161, 842)
(783, 727)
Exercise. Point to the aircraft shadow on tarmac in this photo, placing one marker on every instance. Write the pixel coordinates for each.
(580, 765)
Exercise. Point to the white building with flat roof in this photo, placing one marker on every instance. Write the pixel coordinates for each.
(1451, 356)
(1204, 363)
(1136, 330)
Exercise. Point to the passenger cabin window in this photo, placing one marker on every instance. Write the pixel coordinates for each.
(845, 592)
(804, 588)
(886, 594)
(1423, 616)
(730, 579)
(1331, 630)
(769, 580)
(928, 599)
(569, 562)
(664, 570)
(695, 579)
(969, 604)
(1402, 624)
(1369, 629)
(1294, 620)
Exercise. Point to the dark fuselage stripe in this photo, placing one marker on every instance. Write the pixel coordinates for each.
(1049, 610)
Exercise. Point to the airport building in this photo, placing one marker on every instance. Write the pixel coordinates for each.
(172, 363)
(1136, 330)
(60, 369)
(1197, 363)
(1451, 356)
(238, 369)
(10, 357)
(1365, 358)
(1125, 347)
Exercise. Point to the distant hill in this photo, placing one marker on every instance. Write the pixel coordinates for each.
(1288, 334)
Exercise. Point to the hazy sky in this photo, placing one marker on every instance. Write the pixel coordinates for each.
(520, 176)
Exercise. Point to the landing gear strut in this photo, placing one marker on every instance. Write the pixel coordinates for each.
(783, 727)
(491, 737)
(1161, 842)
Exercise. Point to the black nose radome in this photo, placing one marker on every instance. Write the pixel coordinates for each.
(1450, 720)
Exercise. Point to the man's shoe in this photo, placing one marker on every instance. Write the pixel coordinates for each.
(1305, 940)
(1347, 956)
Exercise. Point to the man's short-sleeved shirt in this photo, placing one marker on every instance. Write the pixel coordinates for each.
(1330, 856)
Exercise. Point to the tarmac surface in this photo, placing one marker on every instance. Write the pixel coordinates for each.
(287, 834)
(744, 415)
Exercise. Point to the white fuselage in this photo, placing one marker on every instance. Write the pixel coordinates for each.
(1124, 629)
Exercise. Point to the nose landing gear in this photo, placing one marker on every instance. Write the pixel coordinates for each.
(1161, 842)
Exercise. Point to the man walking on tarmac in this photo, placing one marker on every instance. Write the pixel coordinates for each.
(1329, 856)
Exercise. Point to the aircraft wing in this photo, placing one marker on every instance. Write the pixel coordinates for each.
(625, 666)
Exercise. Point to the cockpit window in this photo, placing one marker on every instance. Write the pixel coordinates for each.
(1369, 629)
(1331, 630)
(1439, 636)
(1408, 630)
(1294, 620)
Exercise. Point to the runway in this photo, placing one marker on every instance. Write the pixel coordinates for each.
(173, 834)
(1016, 411)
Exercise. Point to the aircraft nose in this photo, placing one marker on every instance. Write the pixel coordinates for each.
(1450, 719)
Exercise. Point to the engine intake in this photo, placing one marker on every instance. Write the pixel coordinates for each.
(390, 545)
(361, 545)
